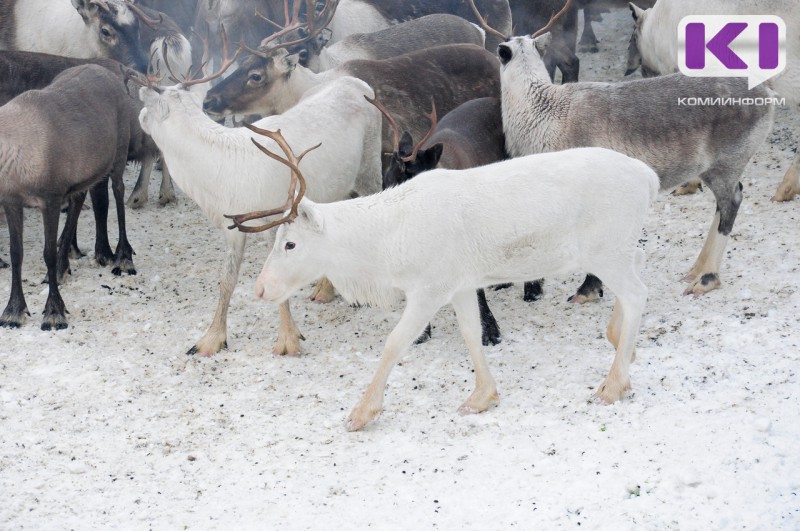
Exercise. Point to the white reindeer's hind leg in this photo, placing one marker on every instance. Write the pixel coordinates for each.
(323, 292)
(289, 335)
(138, 197)
(167, 193)
(216, 336)
(418, 312)
(465, 304)
(790, 185)
(631, 296)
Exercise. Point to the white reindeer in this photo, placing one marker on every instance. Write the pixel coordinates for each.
(654, 47)
(220, 169)
(440, 236)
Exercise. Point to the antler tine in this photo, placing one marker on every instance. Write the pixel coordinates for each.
(485, 25)
(553, 19)
(295, 194)
(268, 20)
(314, 24)
(226, 63)
(389, 119)
(152, 22)
(432, 118)
(165, 55)
(101, 4)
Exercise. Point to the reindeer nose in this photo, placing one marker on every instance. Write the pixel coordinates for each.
(212, 103)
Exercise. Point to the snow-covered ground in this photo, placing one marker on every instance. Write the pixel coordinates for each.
(109, 424)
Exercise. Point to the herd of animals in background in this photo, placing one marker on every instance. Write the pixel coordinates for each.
(432, 101)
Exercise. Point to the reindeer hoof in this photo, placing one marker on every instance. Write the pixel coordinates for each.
(701, 286)
(164, 199)
(204, 352)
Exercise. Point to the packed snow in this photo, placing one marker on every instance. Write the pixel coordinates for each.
(109, 424)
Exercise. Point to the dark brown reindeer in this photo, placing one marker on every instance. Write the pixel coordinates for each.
(406, 37)
(60, 141)
(269, 81)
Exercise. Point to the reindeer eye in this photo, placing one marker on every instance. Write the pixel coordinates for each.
(289, 246)
(255, 76)
(105, 31)
(303, 54)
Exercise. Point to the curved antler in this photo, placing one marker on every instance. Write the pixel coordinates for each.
(485, 25)
(297, 185)
(432, 118)
(552, 21)
(152, 22)
(389, 119)
(316, 21)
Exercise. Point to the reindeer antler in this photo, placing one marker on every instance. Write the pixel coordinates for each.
(297, 185)
(150, 79)
(485, 25)
(152, 22)
(316, 21)
(553, 18)
(389, 119)
(226, 63)
(431, 117)
(101, 4)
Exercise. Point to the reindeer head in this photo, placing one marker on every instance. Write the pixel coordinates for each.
(636, 58)
(407, 159)
(256, 86)
(116, 30)
(524, 54)
(294, 260)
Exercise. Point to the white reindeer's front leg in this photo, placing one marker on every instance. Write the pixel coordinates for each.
(216, 336)
(166, 193)
(289, 335)
(790, 185)
(469, 321)
(416, 316)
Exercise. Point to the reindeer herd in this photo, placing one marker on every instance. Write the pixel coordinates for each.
(413, 150)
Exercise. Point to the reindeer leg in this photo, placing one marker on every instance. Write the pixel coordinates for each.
(16, 309)
(167, 193)
(626, 316)
(216, 336)
(102, 250)
(591, 289)
(69, 235)
(490, 332)
(790, 185)
(704, 275)
(689, 187)
(289, 335)
(419, 310)
(323, 292)
(468, 315)
(138, 197)
(123, 257)
(54, 310)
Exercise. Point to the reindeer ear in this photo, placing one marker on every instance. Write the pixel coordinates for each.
(291, 61)
(85, 9)
(636, 11)
(310, 215)
(406, 144)
(429, 158)
(322, 39)
(542, 42)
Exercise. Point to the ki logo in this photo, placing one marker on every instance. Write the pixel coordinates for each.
(751, 46)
